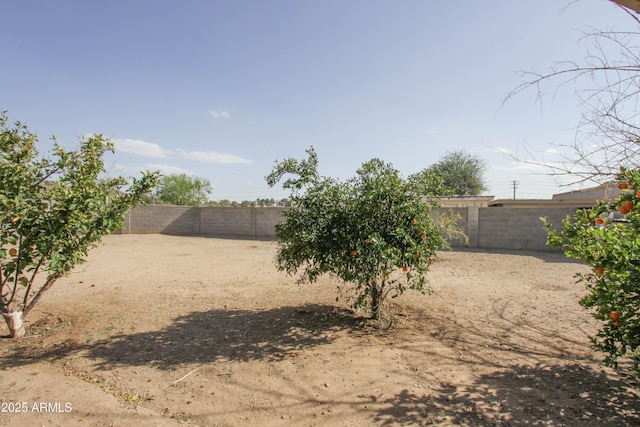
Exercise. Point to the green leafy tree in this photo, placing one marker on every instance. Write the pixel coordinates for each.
(373, 231)
(183, 189)
(52, 211)
(607, 239)
(462, 172)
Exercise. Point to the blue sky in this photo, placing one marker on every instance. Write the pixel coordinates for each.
(221, 89)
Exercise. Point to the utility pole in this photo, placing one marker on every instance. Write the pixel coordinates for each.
(514, 184)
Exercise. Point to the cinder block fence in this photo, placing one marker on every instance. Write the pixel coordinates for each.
(203, 221)
(487, 227)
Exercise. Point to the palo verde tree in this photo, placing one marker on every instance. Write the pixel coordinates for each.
(52, 211)
(373, 231)
(462, 172)
(183, 189)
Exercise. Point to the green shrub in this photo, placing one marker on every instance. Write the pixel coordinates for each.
(607, 238)
(373, 231)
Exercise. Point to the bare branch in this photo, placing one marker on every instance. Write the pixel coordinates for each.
(607, 137)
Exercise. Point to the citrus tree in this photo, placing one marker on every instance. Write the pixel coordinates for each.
(52, 211)
(373, 231)
(607, 238)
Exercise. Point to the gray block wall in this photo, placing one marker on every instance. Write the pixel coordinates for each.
(487, 228)
(217, 221)
(464, 223)
(162, 219)
(517, 228)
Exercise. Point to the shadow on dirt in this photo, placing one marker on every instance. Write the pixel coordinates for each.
(520, 396)
(201, 337)
(238, 335)
(551, 255)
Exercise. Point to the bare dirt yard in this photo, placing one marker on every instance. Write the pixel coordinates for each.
(159, 331)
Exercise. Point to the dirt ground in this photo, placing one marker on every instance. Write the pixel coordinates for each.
(160, 331)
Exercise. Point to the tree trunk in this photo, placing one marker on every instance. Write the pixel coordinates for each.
(15, 323)
(376, 302)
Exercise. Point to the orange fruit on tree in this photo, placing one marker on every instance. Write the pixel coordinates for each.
(599, 221)
(405, 269)
(616, 323)
(354, 253)
(626, 207)
(599, 270)
(414, 221)
(614, 315)
(13, 252)
(623, 186)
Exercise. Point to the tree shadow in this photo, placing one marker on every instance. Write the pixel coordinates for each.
(541, 376)
(201, 337)
(228, 335)
(495, 341)
(569, 395)
(551, 255)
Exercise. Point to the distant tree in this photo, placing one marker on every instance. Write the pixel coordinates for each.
(52, 211)
(462, 172)
(224, 203)
(183, 189)
(266, 202)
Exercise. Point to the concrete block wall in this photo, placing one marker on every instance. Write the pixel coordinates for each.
(218, 221)
(517, 228)
(162, 219)
(464, 223)
(266, 220)
(204, 221)
(487, 228)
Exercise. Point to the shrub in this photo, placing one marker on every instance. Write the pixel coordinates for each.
(51, 213)
(607, 238)
(373, 231)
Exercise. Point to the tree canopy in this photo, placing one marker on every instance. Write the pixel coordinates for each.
(461, 172)
(184, 189)
(373, 231)
(52, 211)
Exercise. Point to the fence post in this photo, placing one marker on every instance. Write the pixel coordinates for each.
(473, 215)
(255, 221)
